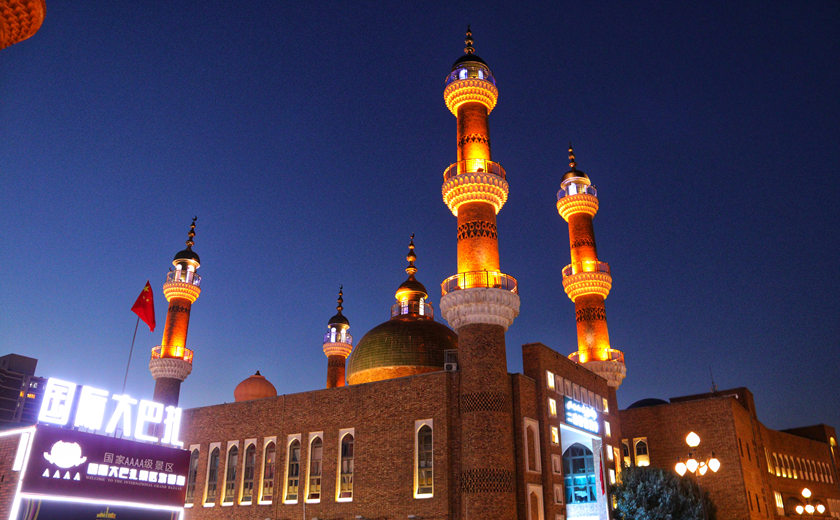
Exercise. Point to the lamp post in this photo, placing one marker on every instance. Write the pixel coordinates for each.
(809, 507)
(697, 468)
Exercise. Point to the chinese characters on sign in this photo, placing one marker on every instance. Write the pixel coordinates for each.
(122, 411)
(581, 415)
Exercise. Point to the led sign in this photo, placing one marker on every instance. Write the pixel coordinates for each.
(135, 418)
(581, 415)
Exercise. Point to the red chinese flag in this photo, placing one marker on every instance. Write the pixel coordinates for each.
(144, 307)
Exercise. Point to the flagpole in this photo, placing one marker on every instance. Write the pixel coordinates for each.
(125, 379)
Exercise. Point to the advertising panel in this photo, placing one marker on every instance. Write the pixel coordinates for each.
(35, 509)
(74, 464)
(581, 415)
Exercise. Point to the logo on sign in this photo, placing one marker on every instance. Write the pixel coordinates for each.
(581, 415)
(65, 455)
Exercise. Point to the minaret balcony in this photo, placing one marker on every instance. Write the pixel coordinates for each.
(338, 337)
(609, 354)
(587, 266)
(413, 308)
(182, 283)
(471, 279)
(587, 279)
(473, 166)
(183, 353)
(474, 180)
(470, 90)
(581, 202)
(185, 276)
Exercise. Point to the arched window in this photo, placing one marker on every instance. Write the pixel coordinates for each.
(248, 473)
(230, 474)
(579, 470)
(293, 471)
(534, 506)
(345, 476)
(641, 449)
(269, 459)
(776, 464)
(212, 476)
(191, 477)
(316, 455)
(425, 462)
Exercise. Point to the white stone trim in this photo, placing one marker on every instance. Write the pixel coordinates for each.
(171, 368)
(611, 370)
(479, 305)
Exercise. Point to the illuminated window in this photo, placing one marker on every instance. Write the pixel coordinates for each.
(606, 405)
(248, 473)
(579, 471)
(191, 477)
(607, 429)
(776, 464)
(316, 456)
(230, 474)
(425, 463)
(532, 445)
(609, 453)
(640, 447)
(269, 459)
(555, 435)
(552, 407)
(462, 74)
(625, 452)
(345, 469)
(212, 477)
(293, 472)
(780, 503)
(549, 379)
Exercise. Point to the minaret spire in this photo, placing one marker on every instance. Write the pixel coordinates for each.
(411, 257)
(171, 361)
(338, 343)
(587, 280)
(480, 302)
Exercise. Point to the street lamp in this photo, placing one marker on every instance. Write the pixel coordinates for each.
(694, 466)
(808, 507)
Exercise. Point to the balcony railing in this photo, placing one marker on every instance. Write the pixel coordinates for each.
(423, 308)
(586, 267)
(473, 166)
(471, 279)
(576, 189)
(173, 352)
(182, 275)
(336, 337)
(612, 355)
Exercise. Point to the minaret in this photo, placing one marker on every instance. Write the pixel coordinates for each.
(480, 302)
(587, 280)
(171, 361)
(338, 343)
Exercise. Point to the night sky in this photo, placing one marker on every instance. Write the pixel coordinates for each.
(310, 140)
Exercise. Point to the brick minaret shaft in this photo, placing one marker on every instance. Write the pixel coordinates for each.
(171, 361)
(587, 280)
(338, 344)
(479, 302)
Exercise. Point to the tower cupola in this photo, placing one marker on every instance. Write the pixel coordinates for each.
(411, 295)
(338, 343)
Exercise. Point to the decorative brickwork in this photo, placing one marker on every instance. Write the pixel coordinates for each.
(470, 90)
(20, 19)
(484, 402)
(486, 481)
(474, 138)
(476, 228)
(580, 203)
(585, 241)
(591, 314)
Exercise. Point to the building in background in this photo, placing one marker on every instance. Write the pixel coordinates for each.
(20, 391)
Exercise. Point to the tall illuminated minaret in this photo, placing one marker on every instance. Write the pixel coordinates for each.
(587, 280)
(171, 361)
(479, 302)
(338, 343)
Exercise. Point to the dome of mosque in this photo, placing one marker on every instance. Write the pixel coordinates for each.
(254, 387)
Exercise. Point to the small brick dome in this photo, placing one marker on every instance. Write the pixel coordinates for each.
(254, 387)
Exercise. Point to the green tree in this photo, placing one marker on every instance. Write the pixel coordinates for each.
(647, 493)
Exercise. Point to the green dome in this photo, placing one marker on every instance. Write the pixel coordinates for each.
(399, 347)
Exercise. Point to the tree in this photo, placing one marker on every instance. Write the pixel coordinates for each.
(647, 493)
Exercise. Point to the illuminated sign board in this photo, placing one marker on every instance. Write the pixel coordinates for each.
(93, 406)
(70, 464)
(581, 415)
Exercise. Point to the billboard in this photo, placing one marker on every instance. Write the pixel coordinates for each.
(70, 464)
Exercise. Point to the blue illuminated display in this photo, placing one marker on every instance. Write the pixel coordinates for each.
(581, 415)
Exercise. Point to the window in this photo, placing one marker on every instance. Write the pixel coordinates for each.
(641, 451)
(230, 474)
(535, 502)
(558, 494)
(552, 407)
(532, 445)
(579, 471)
(248, 474)
(212, 476)
(557, 464)
(269, 460)
(191, 476)
(549, 380)
(555, 435)
(780, 503)
(345, 469)
(607, 429)
(625, 452)
(424, 463)
(293, 472)
(316, 456)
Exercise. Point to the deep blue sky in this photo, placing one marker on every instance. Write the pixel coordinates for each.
(310, 139)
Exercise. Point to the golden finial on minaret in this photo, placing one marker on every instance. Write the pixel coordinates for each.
(468, 41)
(191, 234)
(411, 257)
(340, 300)
(572, 163)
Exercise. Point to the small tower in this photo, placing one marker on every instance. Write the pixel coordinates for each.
(171, 361)
(338, 343)
(479, 302)
(587, 280)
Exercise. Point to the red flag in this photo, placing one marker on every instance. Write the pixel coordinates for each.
(144, 307)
